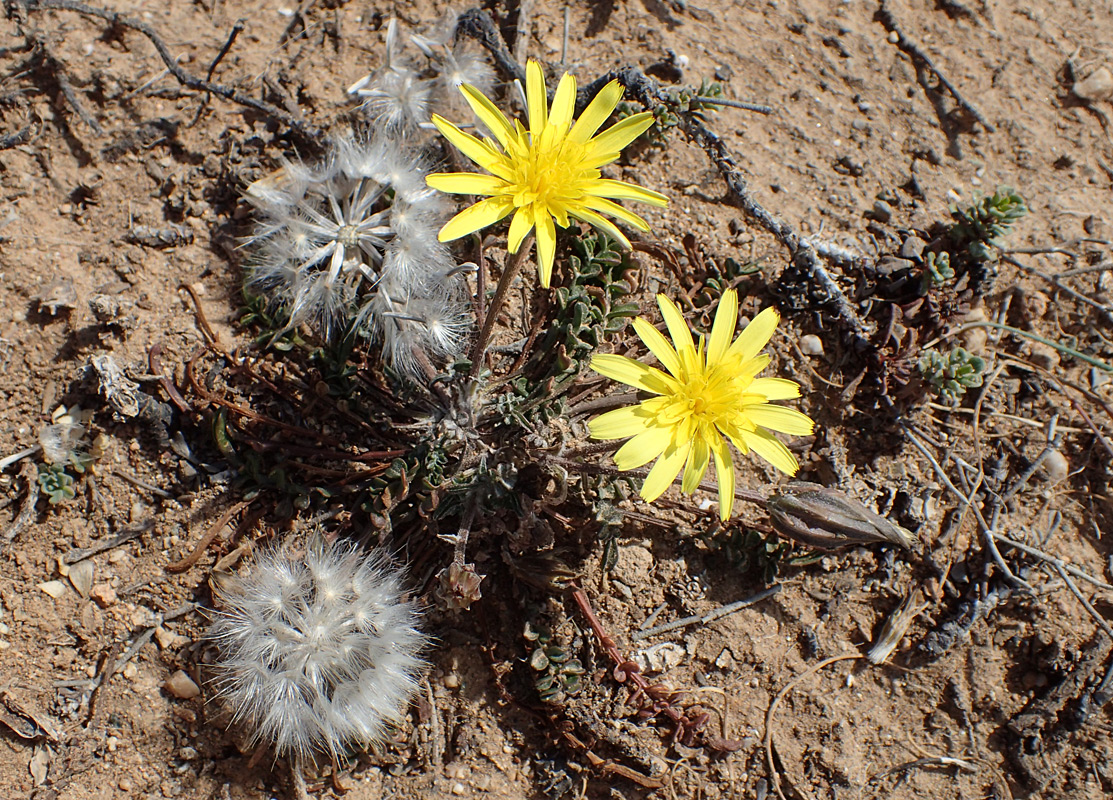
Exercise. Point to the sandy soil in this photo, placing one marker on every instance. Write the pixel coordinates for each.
(114, 143)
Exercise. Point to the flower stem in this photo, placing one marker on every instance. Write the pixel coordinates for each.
(509, 273)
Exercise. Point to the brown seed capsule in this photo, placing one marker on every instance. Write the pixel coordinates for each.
(826, 519)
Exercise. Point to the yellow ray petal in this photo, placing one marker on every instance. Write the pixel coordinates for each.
(596, 113)
(722, 329)
(606, 206)
(664, 472)
(479, 152)
(632, 373)
(600, 222)
(520, 226)
(724, 473)
(696, 468)
(537, 99)
(643, 448)
(780, 419)
(774, 388)
(564, 104)
(616, 137)
(546, 243)
(620, 190)
(484, 213)
(465, 183)
(755, 335)
(489, 114)
(678, 328)
(658, 345)
(620, 423)
(772, 450)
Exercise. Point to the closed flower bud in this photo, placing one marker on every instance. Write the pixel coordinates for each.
(826, 519)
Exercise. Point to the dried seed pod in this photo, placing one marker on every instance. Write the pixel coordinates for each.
(826, 519)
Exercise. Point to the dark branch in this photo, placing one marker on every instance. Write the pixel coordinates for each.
(308, 133)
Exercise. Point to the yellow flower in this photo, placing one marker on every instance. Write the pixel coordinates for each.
(549, 172)
(710, 392)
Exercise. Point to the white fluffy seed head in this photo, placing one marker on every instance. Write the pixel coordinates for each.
(319, 651)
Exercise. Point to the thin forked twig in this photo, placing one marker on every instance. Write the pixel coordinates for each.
(115, 18)
(703, 619)
(886, 18)
(988, 535)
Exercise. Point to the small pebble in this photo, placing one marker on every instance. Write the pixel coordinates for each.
(881, 211)
(893, 37)
(188, 754)
(811, 345)
(1056, 467)
(1098, 85)
(53, 588)
(912, 247)
(1045, 356)
(103, 595)
(129, 671)
(452, 681)
(112, 742)
(125, 785)
(182, 686)
(459, 789)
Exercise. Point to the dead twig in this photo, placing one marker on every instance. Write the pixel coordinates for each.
(710, 616)
(306, 132)
(125, 536)
(919, 57)
(30, 473)
(207, 539)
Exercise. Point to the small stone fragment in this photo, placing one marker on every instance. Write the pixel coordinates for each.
(169, 640)
(881, 211)
(103, 595)
(182, 686)
(81, 576)
(811, 345)
(53, 588)
(912, 247)
(1098, 85)
(1056, 467)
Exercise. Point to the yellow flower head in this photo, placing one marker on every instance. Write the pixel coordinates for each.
(710, 392)
(549, 172)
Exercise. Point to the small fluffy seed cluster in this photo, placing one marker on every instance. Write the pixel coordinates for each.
(399, 94)
(352, 241)
(319, 652)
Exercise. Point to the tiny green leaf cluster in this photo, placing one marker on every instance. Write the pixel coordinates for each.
(680, 102)
(557, 673)
(56, 483)
(981, 226)
(951, 374)
(937, 270)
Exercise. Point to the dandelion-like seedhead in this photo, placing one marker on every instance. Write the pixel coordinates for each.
(353, 240)
(318, 649)
(399, 94)
(709, 394)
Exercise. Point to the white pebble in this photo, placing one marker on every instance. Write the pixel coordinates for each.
(811, 345)
(1056, 467)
